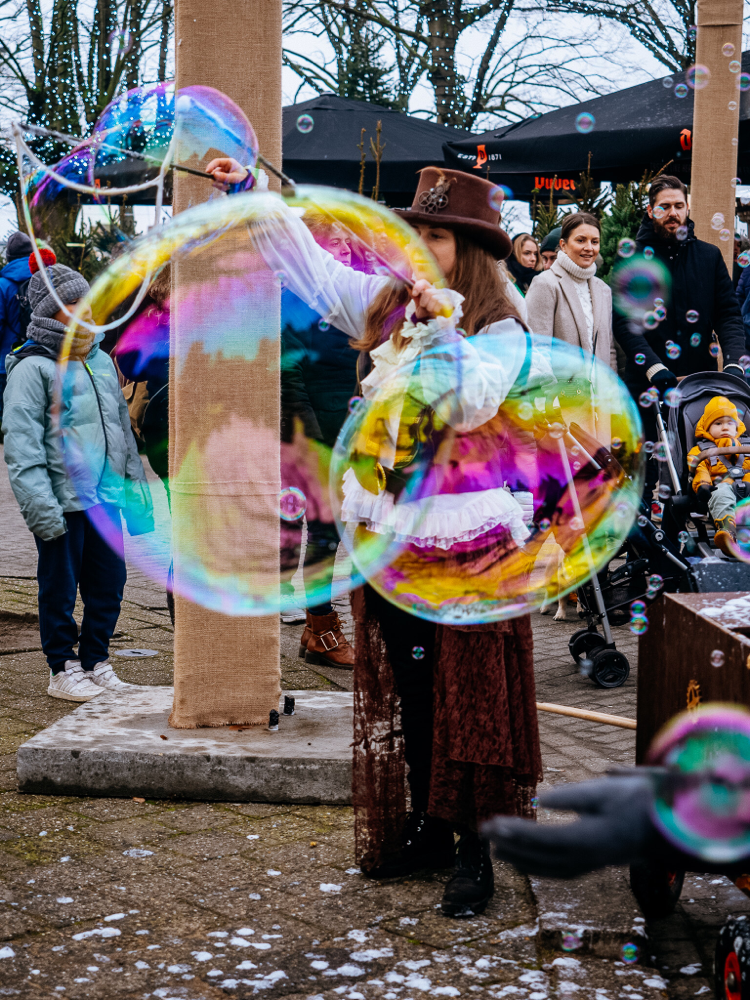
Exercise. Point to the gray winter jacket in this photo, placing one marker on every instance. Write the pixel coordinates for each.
(101, 462)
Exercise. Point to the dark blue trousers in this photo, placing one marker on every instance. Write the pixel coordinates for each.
(80, 559)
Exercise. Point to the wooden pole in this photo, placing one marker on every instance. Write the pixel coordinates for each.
(579, 713)
(226, 669)
(716, 121)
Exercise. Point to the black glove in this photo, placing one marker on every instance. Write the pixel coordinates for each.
(615, 829)
(703, 494)
(734, 368)
(663, 379)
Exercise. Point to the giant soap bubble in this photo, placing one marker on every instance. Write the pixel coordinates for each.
(237, 522)
(523, 463)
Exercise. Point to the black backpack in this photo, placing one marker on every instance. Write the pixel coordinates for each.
(24, 309)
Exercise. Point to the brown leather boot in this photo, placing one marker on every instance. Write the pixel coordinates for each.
(305, 635)
(327, 644)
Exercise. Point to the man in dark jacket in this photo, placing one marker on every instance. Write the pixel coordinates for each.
(699, 302)
(12, 276)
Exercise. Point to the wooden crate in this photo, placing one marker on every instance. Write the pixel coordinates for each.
(687, 635)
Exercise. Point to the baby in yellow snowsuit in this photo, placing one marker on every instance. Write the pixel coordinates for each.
(714, 477)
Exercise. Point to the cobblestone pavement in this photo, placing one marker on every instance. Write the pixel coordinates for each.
(127, 898)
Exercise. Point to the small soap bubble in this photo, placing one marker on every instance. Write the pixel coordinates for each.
(648, 447)
(743, 82)
(692, 316)
(681, 90)
(648, 252)
(659, 211)
(417, 652)
(496, 197)
(354, 403)
(745, 362)
(683, 537)
(717, 658)
(637, 607)
(638, 624)
(665, 491)
(280, 276)
(727, 50)
(735, 141)
(743, 259)
(668, 82)
(629, 953)
(734, 66)
(535, 802)
(658, 303)
(585, 123)
(640, 359)
(616, 443)
(654, 582)
(121, 42)
(692, 32)
(695, 340)
(544, 524)
(586, 666)
(717, 221)
(681, 233)
(323, 325)
(660, 451)
(292, 503)
(725, 234)
(626, 247)
(650, 321)
(571, 940)
(673, 350)
(732, 106)
(646, 399)
(661, 313)
(672, 397)
(305, 124)
(576, 524)
(642, 521)
(698, 76)
(714, 350)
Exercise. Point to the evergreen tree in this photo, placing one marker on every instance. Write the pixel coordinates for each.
(588, 195)
(363, 74)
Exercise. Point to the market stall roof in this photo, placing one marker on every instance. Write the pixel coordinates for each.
(327, 153)
(627, 132)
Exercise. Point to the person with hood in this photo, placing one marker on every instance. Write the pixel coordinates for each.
(70, 520)
(720, 480)
(550, 247)
(12, 278)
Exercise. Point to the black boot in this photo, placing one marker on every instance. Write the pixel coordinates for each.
(427, 843)
(473, 885)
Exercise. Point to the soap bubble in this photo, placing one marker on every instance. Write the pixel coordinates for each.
(743, 259)
(354, 403)
(640, 359)
(732, 106)
(637, 607)
(717, 221)
(292, 504)
(668, 82)
(725, 234)
(659, 211)
(692, 32)
(120, 42)
(629, 953)
(571, 941)
(650, 321)
(734, 66)
(585, 123)
(658, 303)
(635, 285)
(681, 233)
(743, 82)
(638, 624)
(646, 399)
(648, 252)
(717, 658)
(661, 313)
(695, 339)
(714, 350)
(727, 49)
(648, 446)
(745, 362)
(417, 652)
(702, 782)
(699, 76)
(496, 197)
(626, 247)
(305, 124)
(505, 569)
(249, 493)
(673, 350)
(672, 397)
(683, 537)
(654, 583)
(681, 90)
(692, 316)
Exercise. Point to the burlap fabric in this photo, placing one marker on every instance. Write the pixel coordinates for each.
(227, 668)
(715, 123)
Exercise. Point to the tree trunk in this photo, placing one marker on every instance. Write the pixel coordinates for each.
(443, 36)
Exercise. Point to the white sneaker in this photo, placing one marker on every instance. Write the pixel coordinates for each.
(290, 616)
(72, 684)
(105, 677)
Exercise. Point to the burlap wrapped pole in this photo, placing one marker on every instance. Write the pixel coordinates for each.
(716, 119)
(226, 669)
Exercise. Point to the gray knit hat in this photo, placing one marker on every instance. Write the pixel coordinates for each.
(551, 242)
(69, 285)
(18, 245)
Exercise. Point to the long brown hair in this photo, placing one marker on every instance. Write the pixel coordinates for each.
(519, 243)
(475, 275)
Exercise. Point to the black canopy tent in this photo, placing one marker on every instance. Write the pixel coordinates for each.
(640, 128)
(328, 153)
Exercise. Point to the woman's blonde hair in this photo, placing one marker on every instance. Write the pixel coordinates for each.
(518, 245)
(475, 275)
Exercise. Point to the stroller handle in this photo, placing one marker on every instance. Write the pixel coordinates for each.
(696, 460)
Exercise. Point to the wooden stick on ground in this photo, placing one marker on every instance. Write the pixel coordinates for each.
(579, 713)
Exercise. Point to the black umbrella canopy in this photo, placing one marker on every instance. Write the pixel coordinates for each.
(327, 153)
(627, 132)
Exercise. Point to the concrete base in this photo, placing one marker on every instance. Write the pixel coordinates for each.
(113, 746)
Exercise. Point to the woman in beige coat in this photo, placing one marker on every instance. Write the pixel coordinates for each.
(568, 301)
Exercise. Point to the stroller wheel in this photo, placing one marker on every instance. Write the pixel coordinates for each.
(609, 668)
(732, 961)
(584, 641)
(656, 889)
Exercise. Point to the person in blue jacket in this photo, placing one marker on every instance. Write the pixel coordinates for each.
(70, 519)
(12, 276)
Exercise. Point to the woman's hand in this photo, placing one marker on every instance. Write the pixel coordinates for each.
(430, 301)
(226, 171)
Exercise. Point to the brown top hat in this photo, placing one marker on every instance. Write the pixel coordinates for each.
(463, 202)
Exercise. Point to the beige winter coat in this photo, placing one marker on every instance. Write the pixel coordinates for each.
(555, 310)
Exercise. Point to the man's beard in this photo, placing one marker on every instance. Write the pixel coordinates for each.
(662, 232)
